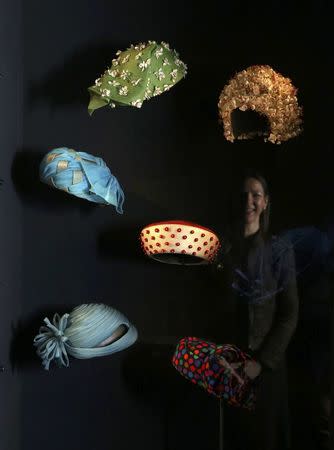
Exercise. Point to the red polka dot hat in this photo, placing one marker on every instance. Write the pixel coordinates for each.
(179, 242)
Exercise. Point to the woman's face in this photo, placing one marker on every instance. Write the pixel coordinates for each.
(255, 201)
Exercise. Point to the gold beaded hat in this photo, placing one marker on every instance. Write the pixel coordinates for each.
(259, 88)
(179, 242)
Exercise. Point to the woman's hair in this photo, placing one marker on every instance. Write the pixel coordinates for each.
(236, 202)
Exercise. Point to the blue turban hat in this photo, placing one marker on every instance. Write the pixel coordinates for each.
(82, 175)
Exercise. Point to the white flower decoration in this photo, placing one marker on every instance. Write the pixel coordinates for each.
(123, 90)
(113, 83)
(167, 87)
(160, 74)
(139, 54)
(125, 74)
(148, 93)
(137, 103)
(173, 74)
(105, 92)
(118, 52)
(125, 59)
(157, 91)
(112, 105)
(159, 51)
(165, 62)
(166, 45)
(140, 46)
(98, 82)
(144, 64)
(112, 73)
(135, 82)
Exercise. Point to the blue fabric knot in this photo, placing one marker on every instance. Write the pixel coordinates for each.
(50, 341)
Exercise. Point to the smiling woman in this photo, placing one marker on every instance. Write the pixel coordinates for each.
(256, 202)
(258, 313)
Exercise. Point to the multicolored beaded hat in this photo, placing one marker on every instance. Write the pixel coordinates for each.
(137, 74)
(209, 366)
(259, 88)
(179, 242)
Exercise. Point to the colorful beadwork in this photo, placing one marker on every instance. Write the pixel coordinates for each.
(208, 365)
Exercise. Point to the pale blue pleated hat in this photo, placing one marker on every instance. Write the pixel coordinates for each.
(82, 175)
(84, 333)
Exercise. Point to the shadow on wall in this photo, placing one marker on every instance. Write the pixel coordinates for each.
(149, 376)
(25, 177)
(67, 84)
(22, 351)
(120, 242)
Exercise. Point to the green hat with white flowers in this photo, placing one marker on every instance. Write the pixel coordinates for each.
(137, 74)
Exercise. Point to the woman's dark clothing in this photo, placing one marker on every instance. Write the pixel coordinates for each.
(258, 312)
(311, 349)
(268, 426)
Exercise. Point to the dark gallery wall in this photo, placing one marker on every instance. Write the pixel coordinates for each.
(11, 218)
(173, 162)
